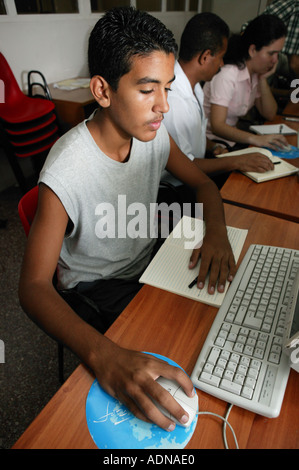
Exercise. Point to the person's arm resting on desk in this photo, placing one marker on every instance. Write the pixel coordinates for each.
(224, 130)
(216, 253)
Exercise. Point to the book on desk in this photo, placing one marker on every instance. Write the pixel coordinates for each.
(268, 129)
(281, 167)
(169, 269)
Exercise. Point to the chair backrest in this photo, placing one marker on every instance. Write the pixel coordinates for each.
(27, 208)
(12, 91)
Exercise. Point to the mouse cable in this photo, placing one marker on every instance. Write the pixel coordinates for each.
(226, 422)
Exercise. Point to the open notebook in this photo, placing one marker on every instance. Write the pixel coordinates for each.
(272, 129)
(281, 167)
(169, 268)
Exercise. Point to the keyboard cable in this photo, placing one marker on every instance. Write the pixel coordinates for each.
(225, 423)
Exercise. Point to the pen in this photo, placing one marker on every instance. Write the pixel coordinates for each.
(294, 119)
(193, 283)
(276, 163)
(280, 128)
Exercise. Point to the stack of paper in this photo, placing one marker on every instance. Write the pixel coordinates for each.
(72, 84)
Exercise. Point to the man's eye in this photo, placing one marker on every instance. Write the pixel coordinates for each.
(146, 92)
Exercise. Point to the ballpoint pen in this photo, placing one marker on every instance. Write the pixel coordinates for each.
(193, 283)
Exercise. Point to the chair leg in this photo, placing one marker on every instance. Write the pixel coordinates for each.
(60, 363)
(17, 172)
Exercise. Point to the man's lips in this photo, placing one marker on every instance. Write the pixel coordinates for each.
(155, 125)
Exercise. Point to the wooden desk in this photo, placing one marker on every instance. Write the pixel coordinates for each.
(176, 327)
(291, 109)
(279, 198)
(72, 106)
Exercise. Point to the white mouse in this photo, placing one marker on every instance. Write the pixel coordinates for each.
(190, 405)
(286, 148)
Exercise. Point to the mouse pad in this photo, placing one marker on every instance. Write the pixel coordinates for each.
(293, 153)
(113, 426)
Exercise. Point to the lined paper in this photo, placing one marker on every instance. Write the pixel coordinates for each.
(169, 268)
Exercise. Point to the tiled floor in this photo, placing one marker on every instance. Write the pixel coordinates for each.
(29, 376)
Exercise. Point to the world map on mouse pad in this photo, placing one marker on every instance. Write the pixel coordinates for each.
(113, 426)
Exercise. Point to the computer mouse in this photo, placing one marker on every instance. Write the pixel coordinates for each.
(190, 404)
(286, 148)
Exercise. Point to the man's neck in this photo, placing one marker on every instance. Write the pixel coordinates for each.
(188, 68)
(108, 139)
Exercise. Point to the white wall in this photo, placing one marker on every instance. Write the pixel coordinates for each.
(57, 44)
(235, 12)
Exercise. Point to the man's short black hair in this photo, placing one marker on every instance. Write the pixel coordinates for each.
(121, 34)
(204, 31)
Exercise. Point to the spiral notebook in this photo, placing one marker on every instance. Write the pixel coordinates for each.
(169, 269)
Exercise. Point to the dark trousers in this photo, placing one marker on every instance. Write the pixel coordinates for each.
(100, 302)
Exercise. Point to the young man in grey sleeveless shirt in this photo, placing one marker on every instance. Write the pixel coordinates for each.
(110, 162)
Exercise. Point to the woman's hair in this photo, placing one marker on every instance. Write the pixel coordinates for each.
(121, 34)
(261, 32)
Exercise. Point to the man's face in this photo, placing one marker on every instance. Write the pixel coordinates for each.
(215, 62)
(138, 105)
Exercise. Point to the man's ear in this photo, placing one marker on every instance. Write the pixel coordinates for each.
(100, 89)
(204, 56)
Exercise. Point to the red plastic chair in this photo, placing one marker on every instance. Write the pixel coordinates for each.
(19, 108)
(27, 208)
(28, 125)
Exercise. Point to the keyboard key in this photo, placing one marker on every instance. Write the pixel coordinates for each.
(219, 341)
(273, 357)
(259, 353)
(248, 350)
(225, 354)
(250, 382)
(232, 366)
(230, 386)
(245, 361)
(253, 373)
(252, 322)
(210, 379)
(247, 392)
(242, 369)
(238, 347)
(239, 379)
(218, 371)
(228, 374)
(255, 364)
(208, 367)
(214, 354)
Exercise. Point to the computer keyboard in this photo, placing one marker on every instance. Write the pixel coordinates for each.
(242, 360)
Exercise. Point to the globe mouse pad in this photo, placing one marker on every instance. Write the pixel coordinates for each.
(112, 426)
